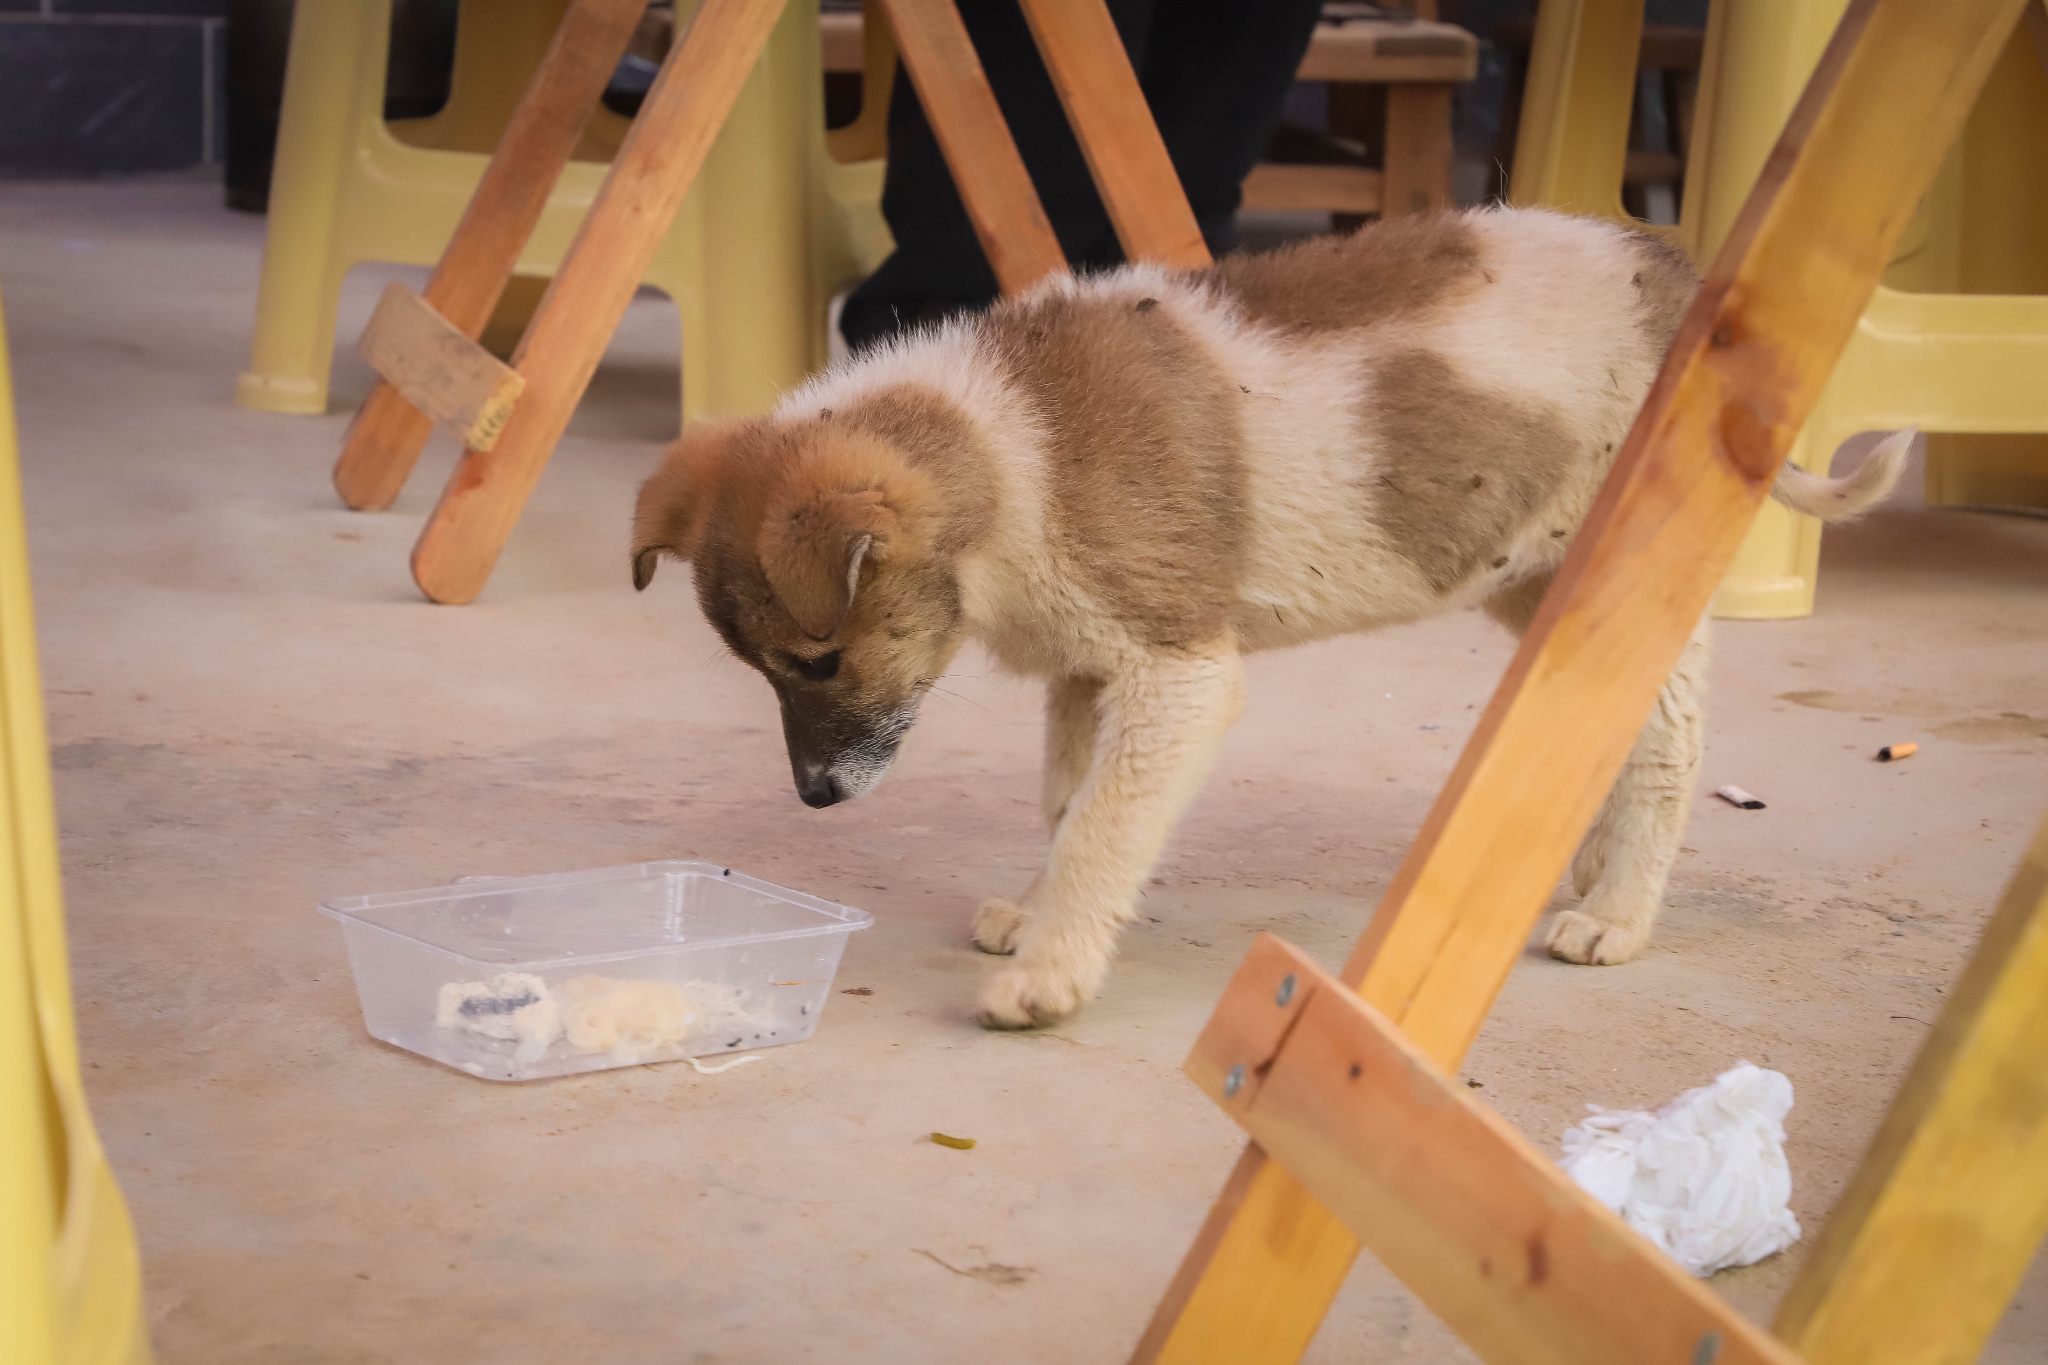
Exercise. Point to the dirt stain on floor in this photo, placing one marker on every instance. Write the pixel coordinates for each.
(2003, 728)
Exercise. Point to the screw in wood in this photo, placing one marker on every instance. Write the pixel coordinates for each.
(1234, 1082)
(1286, 992)
(1708, 1350)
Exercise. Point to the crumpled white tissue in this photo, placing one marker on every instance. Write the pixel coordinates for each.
(1704, 1177)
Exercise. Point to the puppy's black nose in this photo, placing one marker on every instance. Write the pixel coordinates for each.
(820, 791)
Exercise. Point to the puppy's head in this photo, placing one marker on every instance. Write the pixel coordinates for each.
(812, 545)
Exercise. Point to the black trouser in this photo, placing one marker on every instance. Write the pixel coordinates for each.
(1215, 73)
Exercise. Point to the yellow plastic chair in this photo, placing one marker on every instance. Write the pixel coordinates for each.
(772, 227)
(70, 1277)
(1955, 340)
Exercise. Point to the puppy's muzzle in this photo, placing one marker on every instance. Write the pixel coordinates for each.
(830, 768)
(819, 789)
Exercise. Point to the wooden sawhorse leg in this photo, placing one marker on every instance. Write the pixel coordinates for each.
(582, 307)
(691, 97)
(1746, 367)
(385, 439)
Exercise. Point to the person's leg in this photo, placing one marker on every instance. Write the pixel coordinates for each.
(938, 267)
(1216, 73)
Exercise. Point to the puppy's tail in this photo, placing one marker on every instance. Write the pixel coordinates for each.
(1847, 498)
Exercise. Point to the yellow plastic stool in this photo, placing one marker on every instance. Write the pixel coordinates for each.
(772, 227)
(1956, 340)
(70, 1277)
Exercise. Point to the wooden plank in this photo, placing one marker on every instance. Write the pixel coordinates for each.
(1015, 234)
(1340, 189)
(437, 369)
(1418, 178)
(1483, 1227)
(1337, 52)
(386, 436)
(840, 37)
(650, 175)
(1383, 51)
(1085, 56)
(1943, 1216)
(1885, 103)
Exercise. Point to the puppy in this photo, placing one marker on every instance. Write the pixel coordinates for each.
(1122, 483)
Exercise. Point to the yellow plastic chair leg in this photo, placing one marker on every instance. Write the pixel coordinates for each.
(2003, 194)
(1573, 142)
(771, 230)
(1955, 341)
(1937, 1227)
(740, 263)
(70, 1275)
(334, 78)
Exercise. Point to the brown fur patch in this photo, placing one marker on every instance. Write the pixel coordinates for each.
(847, 499)
(1402, 265)
(676, 501)
(1515, 605)
(1461, 469)
(1665, 284)
(1145, 457)
(937, 438)
(771, 566)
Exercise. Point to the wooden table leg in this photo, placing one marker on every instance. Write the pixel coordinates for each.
(387, 434)
(648, 178)
(1746, 368)
(1419, 150)
(1099, 90)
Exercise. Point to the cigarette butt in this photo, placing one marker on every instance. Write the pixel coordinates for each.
(958, 1144)
(1736, 796)
(1895, 751)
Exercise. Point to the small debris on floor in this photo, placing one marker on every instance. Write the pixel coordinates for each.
(1736, 796)
(1891, 753)
(703, 1070)
(994, 1272)
(858, 990)
(958, 1144)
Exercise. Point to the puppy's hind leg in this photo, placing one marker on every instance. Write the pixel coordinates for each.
(1514, 607)
(1069, 746)
(1160, 720)
(1626, 859)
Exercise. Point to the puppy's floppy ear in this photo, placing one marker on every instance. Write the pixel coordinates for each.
(840, 507)
(676, 502)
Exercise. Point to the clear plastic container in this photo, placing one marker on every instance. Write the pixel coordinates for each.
(517, 978)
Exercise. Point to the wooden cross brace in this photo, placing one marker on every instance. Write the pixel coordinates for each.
(1925, 1248)
(666, 145)
(1777, 307)
(1486, 1230)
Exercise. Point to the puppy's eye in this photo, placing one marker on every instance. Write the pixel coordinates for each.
(821, 669)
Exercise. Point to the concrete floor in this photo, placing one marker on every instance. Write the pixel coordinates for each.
(251, 710)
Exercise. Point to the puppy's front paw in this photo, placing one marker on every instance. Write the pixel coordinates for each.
(1024, 996)
(1578, 937)
(996, 926)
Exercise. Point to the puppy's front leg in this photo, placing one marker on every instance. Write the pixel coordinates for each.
(1069, 748)
(1160, 719)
